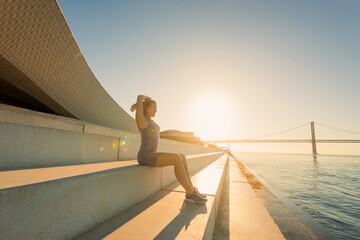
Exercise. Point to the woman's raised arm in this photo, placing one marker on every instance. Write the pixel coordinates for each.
(139, 106)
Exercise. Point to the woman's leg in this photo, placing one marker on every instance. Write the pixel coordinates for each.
(186, 168)
(166, 159)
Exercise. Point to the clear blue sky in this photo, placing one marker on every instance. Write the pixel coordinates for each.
(226, 69)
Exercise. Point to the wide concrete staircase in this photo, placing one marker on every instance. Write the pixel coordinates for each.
(111, 200)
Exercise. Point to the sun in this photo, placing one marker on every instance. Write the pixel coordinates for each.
(211, 116)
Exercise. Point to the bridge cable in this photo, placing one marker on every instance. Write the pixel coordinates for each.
(267, 135)
(339, 129)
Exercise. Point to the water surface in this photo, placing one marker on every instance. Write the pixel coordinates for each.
(325, 187)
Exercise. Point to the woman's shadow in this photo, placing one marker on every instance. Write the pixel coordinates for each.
(188, 212)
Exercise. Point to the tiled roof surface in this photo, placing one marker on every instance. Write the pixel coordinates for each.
(39, 55)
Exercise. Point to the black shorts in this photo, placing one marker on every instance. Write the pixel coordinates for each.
(147, 158)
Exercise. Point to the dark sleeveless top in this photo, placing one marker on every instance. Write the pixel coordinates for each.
(149, 138)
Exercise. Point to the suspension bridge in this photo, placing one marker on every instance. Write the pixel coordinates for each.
(337, 135)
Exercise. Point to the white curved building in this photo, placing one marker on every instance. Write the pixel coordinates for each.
(42, 67)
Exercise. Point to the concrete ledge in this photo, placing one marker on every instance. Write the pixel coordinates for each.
(242, 213)
(31, 139)
(26, 177)
(23, 146)
(61, 202)
(165, 215)
(25, 116)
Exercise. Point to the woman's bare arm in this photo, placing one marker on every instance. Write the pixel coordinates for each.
(139, 107)
(133, 107)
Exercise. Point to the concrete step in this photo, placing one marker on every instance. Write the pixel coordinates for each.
(31, 139)
(165, 215)
(242, 214)
(62, 202)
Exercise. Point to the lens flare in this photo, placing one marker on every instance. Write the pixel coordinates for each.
(123, 142)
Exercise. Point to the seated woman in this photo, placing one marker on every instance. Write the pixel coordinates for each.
(148, 154)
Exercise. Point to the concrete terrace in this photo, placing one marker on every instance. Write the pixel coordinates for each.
(46, 198)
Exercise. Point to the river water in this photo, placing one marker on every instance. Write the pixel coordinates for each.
(327, 187)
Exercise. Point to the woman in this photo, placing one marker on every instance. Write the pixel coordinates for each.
(148, 154)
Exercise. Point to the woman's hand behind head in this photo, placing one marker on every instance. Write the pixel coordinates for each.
(133, 107)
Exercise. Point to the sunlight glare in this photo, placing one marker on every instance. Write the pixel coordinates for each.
(211, 117)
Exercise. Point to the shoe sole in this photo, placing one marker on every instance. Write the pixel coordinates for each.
(194, 201)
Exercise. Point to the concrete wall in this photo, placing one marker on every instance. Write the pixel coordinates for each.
(31, 139)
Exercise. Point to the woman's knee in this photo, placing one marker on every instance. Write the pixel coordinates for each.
(183, 158)
(182, 155)
(178, 159)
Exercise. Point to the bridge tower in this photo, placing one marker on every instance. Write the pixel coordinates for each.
(313, 140)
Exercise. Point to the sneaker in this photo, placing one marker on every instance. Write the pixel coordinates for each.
(201, 195)
(195, 198)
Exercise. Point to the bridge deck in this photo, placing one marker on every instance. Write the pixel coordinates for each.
(287, 141)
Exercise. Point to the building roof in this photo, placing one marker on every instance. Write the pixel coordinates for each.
(39, 56)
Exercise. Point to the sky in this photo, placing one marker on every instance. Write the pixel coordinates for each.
(226, 69)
